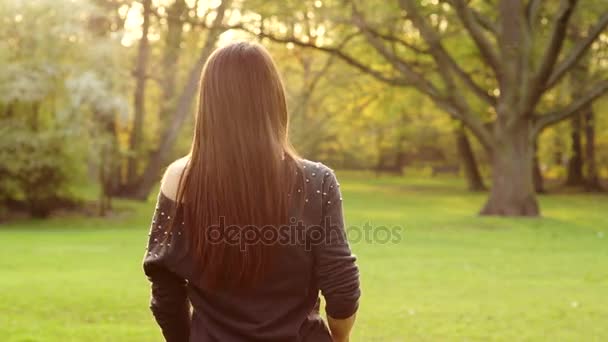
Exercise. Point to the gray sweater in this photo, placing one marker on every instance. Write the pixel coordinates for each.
(285, 306)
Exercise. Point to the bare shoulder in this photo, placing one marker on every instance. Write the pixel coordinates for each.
(170, 180)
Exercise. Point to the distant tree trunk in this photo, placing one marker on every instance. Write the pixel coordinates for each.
(592, 182)
(468, 161)
(141, 67)
(109, 165)
(575, 163)
(380, 164)
(400, 161)
(538, 175)
(400, 155)
(381, 161)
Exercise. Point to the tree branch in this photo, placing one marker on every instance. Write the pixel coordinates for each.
(577, 51)
(338, 52)
(451, 102)
(475, 30)
(538, 80)
(478, 128)
(441, 55)
(558, 35)
(485, 22)
(597, 90)
(392, 38)
(404, 67)
(532, 9)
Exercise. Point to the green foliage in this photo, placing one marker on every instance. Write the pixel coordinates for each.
(35, 168)
(58, 99)
(63, 68)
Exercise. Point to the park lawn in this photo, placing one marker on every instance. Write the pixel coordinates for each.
(447, 275)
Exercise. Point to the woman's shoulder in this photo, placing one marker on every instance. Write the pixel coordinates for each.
(311, 164)
(170, 181)
(316, 168)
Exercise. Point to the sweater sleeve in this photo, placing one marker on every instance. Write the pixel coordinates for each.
(169, 302)
(335, 268)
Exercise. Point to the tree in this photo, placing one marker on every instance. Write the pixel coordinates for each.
(522, 53)
(175, 106)
(139, 97)
(56, 87)
(581, 167)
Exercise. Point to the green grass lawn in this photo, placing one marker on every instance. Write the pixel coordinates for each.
(452, 276)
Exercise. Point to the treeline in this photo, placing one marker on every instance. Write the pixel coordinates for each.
(503, 93)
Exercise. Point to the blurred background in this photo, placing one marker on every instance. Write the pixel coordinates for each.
(431, 111)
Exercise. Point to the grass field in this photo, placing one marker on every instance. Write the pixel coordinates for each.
(452, 276)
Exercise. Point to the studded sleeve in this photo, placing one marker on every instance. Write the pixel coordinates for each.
(169, 302)
(335, 268)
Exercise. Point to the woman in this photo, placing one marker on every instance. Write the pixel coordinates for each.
(246, 234)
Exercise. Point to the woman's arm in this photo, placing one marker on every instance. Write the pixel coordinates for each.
(340, 328)
(335, 269)
(168, 302)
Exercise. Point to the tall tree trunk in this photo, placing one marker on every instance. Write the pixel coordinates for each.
(184, 104)
(575, 163)
(469, 163)
(592, 182)
(141, 67)
(512, 192)
(171, 56)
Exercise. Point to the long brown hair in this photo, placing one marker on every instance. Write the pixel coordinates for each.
(242, 169)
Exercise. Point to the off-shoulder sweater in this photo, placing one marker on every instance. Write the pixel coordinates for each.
(285, 305)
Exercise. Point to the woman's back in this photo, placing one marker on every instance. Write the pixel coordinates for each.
(245, 230)
(313, 255)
